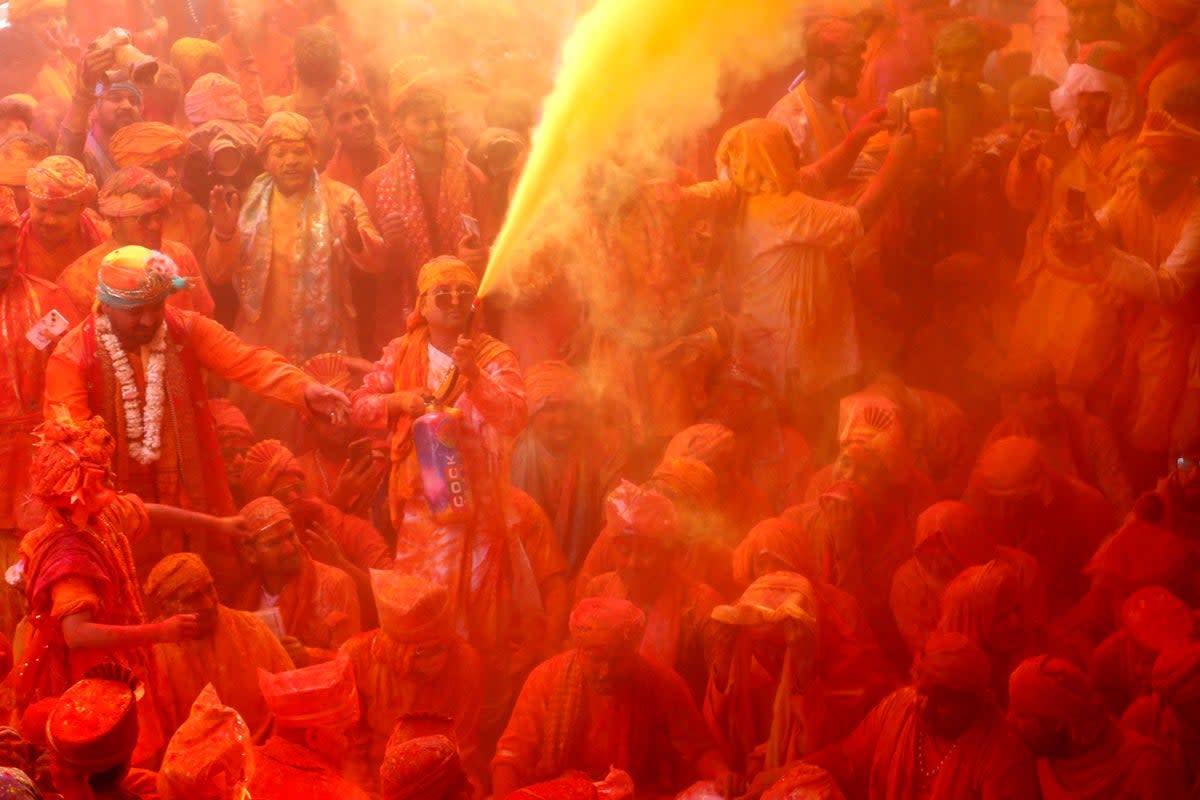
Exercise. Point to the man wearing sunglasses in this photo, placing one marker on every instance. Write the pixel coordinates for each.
(135, 203)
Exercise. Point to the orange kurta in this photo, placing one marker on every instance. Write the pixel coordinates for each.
(34, 259)
(79, 279)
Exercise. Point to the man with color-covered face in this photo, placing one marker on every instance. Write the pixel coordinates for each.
(94, 118)
(59, 227)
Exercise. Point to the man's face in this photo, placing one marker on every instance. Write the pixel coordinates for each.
(606, 669)
(423, 127)
(944, 712)
(116, 109)
(1093, 109)
(958, 75)
(1091, 20)
(53, 221)
(557, 423)
(354, 125)
(276, 551)
(291, 164)
(846, 70)
(145, 230)
(1046, 737)
(8, 254)
(423, 661)
(446, 306)
(863, 468)
(136, 327)
(338, 433)
(198, 599)
(642, 561)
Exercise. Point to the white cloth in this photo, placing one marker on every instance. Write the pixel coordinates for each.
(1122, 109)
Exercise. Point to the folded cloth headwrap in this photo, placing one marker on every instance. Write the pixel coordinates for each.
(263, 513)
(685, 479)
(10, 216)
(607, 622)
(19, 153)
(773, 598)
(286, 126)
(194, 57)
(428, 766)
(633, 511)
(60, 178)
(960, 529)
(66, 450)
(210, 756)
(1176, 675)
(134, 276)
(445, 271)
(708, 441)
(411, 609)
(177, 574)
(970, 601)
(1101, 67)
(1170, 139)
(1011, 466)
(1176, 12)
(321, 696)
(549, 381)
(264, 464)
(777, 539)
(953, 661)
(759, 156)
(231, 422)
(213, 96)
(21, 10)
(1054, 688)
(132, 192)
(1157, 619)
(16, 785)
(145, 143)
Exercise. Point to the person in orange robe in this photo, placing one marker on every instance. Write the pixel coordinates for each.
(228, 642)
(1082, 753)
(314, 709)
(1171, 713)
(210, 756)
(941, 738)
(59, 227)
(647, 552)
(601, 705)
(789, 645)
(160, 148)
(317, 605)
(133, 348)
(255, 44)
(414, 664)
(25, 302)
(424, 768)
(136, 204)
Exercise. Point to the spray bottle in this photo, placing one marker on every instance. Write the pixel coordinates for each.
(437, 438)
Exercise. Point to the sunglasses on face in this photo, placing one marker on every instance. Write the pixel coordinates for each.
(445, 299)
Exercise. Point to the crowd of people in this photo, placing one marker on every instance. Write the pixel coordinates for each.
(864, 463)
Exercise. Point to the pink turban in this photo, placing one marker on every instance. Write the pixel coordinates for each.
(213, 96)
(633, 511)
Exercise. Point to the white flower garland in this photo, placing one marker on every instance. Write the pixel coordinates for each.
(143, 425)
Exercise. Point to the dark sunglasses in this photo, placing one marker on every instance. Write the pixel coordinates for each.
(445, 299)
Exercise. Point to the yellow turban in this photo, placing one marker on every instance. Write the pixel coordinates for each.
(286, 126)
(21, 10)
(194, 57)
(60, 178)
(175, 574)
(444, 271)
(145, 143)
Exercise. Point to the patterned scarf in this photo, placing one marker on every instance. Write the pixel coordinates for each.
(314, 250)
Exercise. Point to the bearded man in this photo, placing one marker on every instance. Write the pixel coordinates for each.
(59, 227)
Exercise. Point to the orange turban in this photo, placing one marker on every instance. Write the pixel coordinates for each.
(145, 143)
(10, 217)
(286, 126)
(780, 539)
(607, 622)
(263, 513)
(410, 79)
(321, 696)
(1176, 12)
(1010, 466)
(60, 178)
(954, 661)
(428, 766)
(970, 601)
(66, 449)
(134, 276)
(18, 154)
(686, 479)
(1053, 688)
(445, 271)
(709, 442)
(264, 464)
(1157, 619)
(551, 381)
(132, 192)
(330, 369)
(177, 574)
(94, 725)
(1171, 140)
(21, 10)
(194, 57)
(232, 425)
(759, 156)
(960, 529)
(633, 511)
(210, 756)
(213, 96)
(411, 609)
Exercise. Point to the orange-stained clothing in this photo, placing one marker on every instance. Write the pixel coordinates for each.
(79, 280)
(343, 168)
(35, 259)
(1124, 764)
(240, 644)
(289, 771)
(273, 59)
(456, 691)
(188, 224)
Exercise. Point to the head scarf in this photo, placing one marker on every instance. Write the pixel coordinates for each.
(60, 178)
(66, 450)
(21, 10)
(264, 464)
(134, 276)
(94, 725)
(953, 661)
(778, 537)
(1176, 12)
(1101, 67)
(441, 271)
(213, 96)
(960, 529)
(1157, 619)
(687, 480)
(1176, 675)
(321, 696)
(143, 143)
(1171, 140)
(330, 369)
(633, 511)
(1011, 466)
(18, 154)
(411, 609)
(177, 574)
(771, 599)
(1053, 688)
(551, 381)
(970, 600)
(708, 442)
(194, 57)
(10, 216)
(607, 622)
(759, 156)
(16, 785)
(132, 192)
(210, 757)
(421, 768)
(264, 513)
(286, 126)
